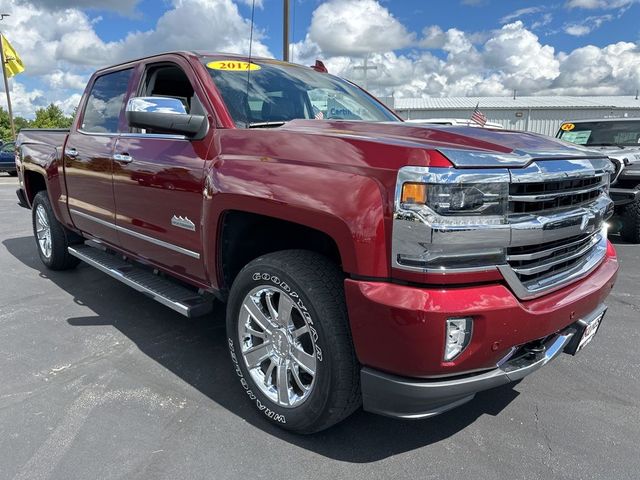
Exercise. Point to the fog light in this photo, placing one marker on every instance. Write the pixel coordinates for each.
(458, 336)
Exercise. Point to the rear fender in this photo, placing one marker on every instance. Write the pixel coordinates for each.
(44, 160)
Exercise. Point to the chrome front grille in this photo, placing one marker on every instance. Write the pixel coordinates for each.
(557, 214)
(536, 264)
(537, 197)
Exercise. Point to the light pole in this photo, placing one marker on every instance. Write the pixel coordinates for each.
(365, 68)
(285, 31)
(6, 80)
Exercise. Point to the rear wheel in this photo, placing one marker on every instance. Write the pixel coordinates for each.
(13, 174)
(52, 238)
(631, 221)
(290, 341)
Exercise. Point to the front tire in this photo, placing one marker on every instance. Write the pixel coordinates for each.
(631, 221)
(290, 341)
(51, 237)
(13, 174)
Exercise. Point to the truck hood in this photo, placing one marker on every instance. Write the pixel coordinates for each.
(465, 147)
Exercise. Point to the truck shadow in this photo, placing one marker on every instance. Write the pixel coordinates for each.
(196, 351)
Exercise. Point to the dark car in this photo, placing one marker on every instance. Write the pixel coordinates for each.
(8, 159)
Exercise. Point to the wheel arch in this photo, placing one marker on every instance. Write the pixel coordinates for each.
(245, 235)
(34, 182)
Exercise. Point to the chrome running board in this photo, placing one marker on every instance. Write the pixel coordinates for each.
(184, 301)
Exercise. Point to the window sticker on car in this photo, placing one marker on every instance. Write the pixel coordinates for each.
(579, 138)
(567, 127)
(233, 66)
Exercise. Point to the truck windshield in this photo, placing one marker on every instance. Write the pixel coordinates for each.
(279, 92)
(617, 133)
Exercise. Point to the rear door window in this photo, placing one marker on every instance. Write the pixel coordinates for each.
(106, 102)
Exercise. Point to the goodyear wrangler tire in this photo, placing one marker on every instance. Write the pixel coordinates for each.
(52, 238)
(290, 342)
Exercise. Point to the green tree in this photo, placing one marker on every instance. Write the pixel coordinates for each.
(5, 126)
(51, 117)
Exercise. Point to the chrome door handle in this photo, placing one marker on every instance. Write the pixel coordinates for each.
(123, 158)
(71, 152)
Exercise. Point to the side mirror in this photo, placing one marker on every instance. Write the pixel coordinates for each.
(165, 114)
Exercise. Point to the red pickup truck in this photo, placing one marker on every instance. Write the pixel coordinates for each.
(364, 260)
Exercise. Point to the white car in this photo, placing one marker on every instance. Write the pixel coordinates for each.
(455, 121)
(619, 139)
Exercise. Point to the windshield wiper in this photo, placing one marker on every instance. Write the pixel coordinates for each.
(605, 145)
(265, 124)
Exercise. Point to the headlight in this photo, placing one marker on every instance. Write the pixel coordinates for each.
(448, 218)
(455, 200)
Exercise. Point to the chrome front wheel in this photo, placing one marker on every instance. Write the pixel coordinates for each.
(277, 346)
(43, 231)
(289, 340)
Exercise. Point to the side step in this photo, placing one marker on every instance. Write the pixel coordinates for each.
(181, 299)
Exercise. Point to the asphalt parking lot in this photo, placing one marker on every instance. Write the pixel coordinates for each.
(99, 382)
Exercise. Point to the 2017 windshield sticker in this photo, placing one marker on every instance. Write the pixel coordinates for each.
(232, 66)
(567, 127)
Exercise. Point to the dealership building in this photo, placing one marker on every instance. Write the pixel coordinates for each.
(536, 114)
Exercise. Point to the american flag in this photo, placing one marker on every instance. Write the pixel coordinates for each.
(478, 117)
(319, 115)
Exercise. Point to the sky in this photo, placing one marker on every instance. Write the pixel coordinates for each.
(419, 48)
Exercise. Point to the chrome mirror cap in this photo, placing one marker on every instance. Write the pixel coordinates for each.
(156, 105)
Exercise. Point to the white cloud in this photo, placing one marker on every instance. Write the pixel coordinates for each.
(249, 3)
(61, 48)
(68, 104)
(214, 25)
(577, 30)
(546, 19)
(586, 26)
(600, 4)
(356, 27)
(66, 39)
(509, 58)
(520, 13)
(65, 80)
(26, 101)
(612, 70)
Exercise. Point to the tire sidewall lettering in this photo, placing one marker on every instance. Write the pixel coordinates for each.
(275, 280)
(252, 396)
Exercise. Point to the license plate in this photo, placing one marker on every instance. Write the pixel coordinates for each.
(590, 331)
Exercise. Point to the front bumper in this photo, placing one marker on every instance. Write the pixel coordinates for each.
(396, 396)
(399, 334)
(400, 329)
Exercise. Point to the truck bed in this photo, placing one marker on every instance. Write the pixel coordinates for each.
(41, 146)
(50, 136)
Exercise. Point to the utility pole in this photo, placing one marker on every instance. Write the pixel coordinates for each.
(6, 80)
(285, 31)
(365, 68)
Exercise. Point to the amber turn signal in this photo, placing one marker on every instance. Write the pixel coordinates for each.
(414, 193)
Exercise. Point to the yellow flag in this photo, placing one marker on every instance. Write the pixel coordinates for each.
(13, 63)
